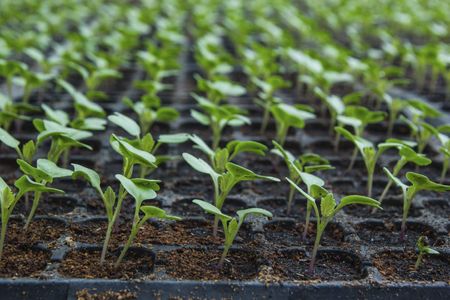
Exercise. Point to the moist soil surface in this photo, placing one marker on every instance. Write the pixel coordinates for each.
(86, 264)
(39, 230)
(23, 261)
(400, 266)
(289, 233)
(292, 265)
(202, 264)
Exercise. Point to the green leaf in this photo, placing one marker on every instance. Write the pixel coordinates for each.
(243, 213)
(52, 169)
(291, 116)
(236, 147)
(416, 158)
(126, 123)
(138, 190)
(88, 174)
(241, 173)
(327, 205)
(156, 212)
(129, 151)
(58, 116)
(318, 192)
(422, 182)
(209, 208)
(357, 199)
(167, 114)
(201, 145)
(176, 138)
(28, 150)
(201, 118)
(24, 184)
(36, 173)
(6, 199)
(306, 195)
(8, 139)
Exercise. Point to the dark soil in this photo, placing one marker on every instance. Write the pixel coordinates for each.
(23, 261)
(86, 294)
(40, 230)
(289, 233)
(388, 234)
(86, 264)
(400, 266)
(438, 207)
(197, 264)
(293, 265)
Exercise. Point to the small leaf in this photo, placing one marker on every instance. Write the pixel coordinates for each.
(253, 211)
(167, 114)
(25, 184)
(129, 151)
(126, 123)
(241, 173)
(55, 115)
(236, 147)
(357, 199)
(327, 205)
(36, 173)
(422, 182)
(8, 139)
(176, 138)
(52, 169)
(139, 191)
(156, 212)
(90, 175)
(209, 208)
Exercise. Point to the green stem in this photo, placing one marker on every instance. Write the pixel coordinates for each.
(2, 237)
(37, 196)
(418, 261)
(308, 214)
(406, 208)
(444, 168)
(224, 255)
(320, 230)
(290, 199)
(282, 133)
(265, 120)
(352, 161)
(369, 183)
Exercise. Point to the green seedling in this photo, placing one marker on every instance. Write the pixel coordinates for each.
(8, 200)
(26, 152)
(44, 173)
(369, 152)
(8, 70)
(231, 225)
(424, 248)
(328, 209)
(223, 183)
(219, 90)
(141, 190)
(407, 155)
(419, 183)
(287, 116)
(217, 117)
(307, 163)
(334, 104)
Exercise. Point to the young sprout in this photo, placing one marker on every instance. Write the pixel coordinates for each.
(141, 190)
(419, 183)
(217, 117)
(10, 111)
(219, 90)
(149, 111)
(223, 183)
(9, 69)
(407, 155)
(230, 225)
(30, 81)
(89, 115)
(112, 201)
(8, 200)
(328, 209)
(334, 104)
(424, 248)
(44, 173)
(444, 140)
(369, 152)
(147, 143)
(63, 138)
(287, 116)
(395, 106)
(266, 99)
(357, 117)
(308, 163)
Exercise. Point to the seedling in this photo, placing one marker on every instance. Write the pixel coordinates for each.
(147, 143)
(112, 201)
(219, 90)
(287, 116)
(8, 200)
(369, 152)
(395, 107)
(149, 111)
(9, 69)
(231, 225)
(307, 163)
(419, 183)
(334, 104)
(217, 117)
(223, 183)
(44, 173)
(10, 111)
(141, 190)
(328, 209)
(63, 138)
(424, 248)
(407, 155)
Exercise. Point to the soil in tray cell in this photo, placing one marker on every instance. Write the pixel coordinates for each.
(289, 233)
(137, 263)
(202, 264)
(292, 265)
(392, 208)
(400, 266)
(438, 207)
(278, 207)
(23, 261)
(48, 205)
(46, 230)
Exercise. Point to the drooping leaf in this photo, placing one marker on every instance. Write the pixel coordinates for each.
(52, 169)
(176, 138)
(422, 182)
(327, 205)
(126, 123)
(90, 175)
(139, 191)
(8, 139)
(209, 208)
